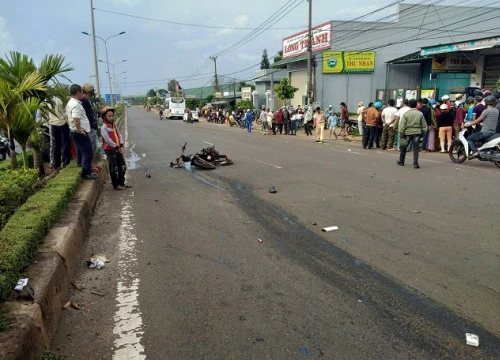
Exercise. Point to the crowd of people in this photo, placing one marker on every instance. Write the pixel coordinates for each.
(77, 124)
(401, 124)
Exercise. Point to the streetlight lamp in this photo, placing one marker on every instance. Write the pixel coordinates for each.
(107, 58)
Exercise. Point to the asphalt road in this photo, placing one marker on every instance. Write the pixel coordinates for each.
(414, 265)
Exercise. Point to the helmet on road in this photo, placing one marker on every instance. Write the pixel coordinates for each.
(87, 88)
(490, 100)
(378, 104)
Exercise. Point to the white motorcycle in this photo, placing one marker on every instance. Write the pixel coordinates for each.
(488, 151)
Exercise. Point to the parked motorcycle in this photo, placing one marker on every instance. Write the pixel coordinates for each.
(4, 147)
(488, 151)
(207, 159)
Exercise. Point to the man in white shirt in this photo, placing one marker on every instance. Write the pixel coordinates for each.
(59, 132)
(79, 127)
(399, 116)
(389, 122)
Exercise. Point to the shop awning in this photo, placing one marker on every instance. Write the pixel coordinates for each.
(469, 45)
(410, 58)
(290, 60)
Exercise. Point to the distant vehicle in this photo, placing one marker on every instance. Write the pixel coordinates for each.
(176, 107)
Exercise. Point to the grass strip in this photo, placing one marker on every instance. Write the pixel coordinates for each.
(26, 229)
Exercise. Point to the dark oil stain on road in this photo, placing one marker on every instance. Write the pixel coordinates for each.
(412, 317)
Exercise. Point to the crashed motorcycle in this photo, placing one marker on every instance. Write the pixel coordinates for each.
(489, 150)
(207, 159)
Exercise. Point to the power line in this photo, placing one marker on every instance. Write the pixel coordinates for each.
(191, 24)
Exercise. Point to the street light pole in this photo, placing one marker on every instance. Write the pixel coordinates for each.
(109, 74)
(309, 57)
(107, 58)
(96, 67)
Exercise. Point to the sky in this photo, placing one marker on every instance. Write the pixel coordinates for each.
(158, 51)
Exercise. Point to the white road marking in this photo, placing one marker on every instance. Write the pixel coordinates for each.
(128, 317)
(263, 162)
(184, 134)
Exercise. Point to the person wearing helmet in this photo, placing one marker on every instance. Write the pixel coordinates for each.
(112, 144)
(445, 125)
(372, 116)
(411, 127)
(489, 117)
(249, 120)
(88, 94)
(479, 107)
(446, 100)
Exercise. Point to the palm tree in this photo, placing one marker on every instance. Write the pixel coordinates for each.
(17, 67)
(11, 100)
(25, 125)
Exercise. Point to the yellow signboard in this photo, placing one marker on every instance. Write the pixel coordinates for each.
(336, 62)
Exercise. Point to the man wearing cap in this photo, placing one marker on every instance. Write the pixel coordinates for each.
(79, 127)
(319, 123)
(248, 120)
(389, 122)
(411, 127)
(470, 109)
(446, 100)
(88, 93)
(372, 116)
(59, 131)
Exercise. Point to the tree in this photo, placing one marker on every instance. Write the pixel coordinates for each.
(172, 86)
(285, 90)
(151, 93)
(162, 92)
(264, 63)
(29, 90)
(278, 58)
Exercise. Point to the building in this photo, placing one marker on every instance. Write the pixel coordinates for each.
(365, 61)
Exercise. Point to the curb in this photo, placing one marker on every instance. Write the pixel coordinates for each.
(35, 322)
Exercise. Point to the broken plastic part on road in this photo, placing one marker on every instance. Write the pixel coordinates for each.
(260, 240)
(97, 261)
(330, 228)
(272, 190)
(472, 339)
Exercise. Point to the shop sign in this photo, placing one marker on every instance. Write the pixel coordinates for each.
(246, 93)
(453, 63)
(335, 62)
(462, 46)
(296, 45)
(218, 95)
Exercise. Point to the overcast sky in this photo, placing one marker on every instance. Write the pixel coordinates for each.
(158, 51)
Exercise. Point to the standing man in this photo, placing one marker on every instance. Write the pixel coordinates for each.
(263, 117)
(270, 120)
(249, 120)
(411, 127)
(427, 112)
(319, 124)
(88, 93)
(360, 111)
(399, 116)
(79, 127)
(286, 120)
(308, 119)
(59, 131)
(279, 117)
(372, 115)
(389, 122)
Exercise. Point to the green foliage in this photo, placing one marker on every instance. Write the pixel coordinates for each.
(171, 86)
(16, 186)
(245, 104)
(26, 229)
(284, 89)
(497, 85)
(5, 318)
(210, 98)
(278, 58)
(119, 110)
(151, 93)
(193, 104)
(49, 355)
(264, 62)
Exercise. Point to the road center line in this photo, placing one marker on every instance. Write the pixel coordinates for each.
(263, 162)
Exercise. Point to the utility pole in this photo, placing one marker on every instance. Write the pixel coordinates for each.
(214, 58)
(309, 57)
(96, 67)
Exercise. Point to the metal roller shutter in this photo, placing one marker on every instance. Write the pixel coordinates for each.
(299, 80)
(491, 71)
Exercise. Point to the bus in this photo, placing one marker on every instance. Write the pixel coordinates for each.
(175, 107)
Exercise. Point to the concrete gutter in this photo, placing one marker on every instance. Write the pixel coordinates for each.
(35, 322)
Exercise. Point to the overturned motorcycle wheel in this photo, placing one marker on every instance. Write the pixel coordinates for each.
(202, 164)
(457, 152)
